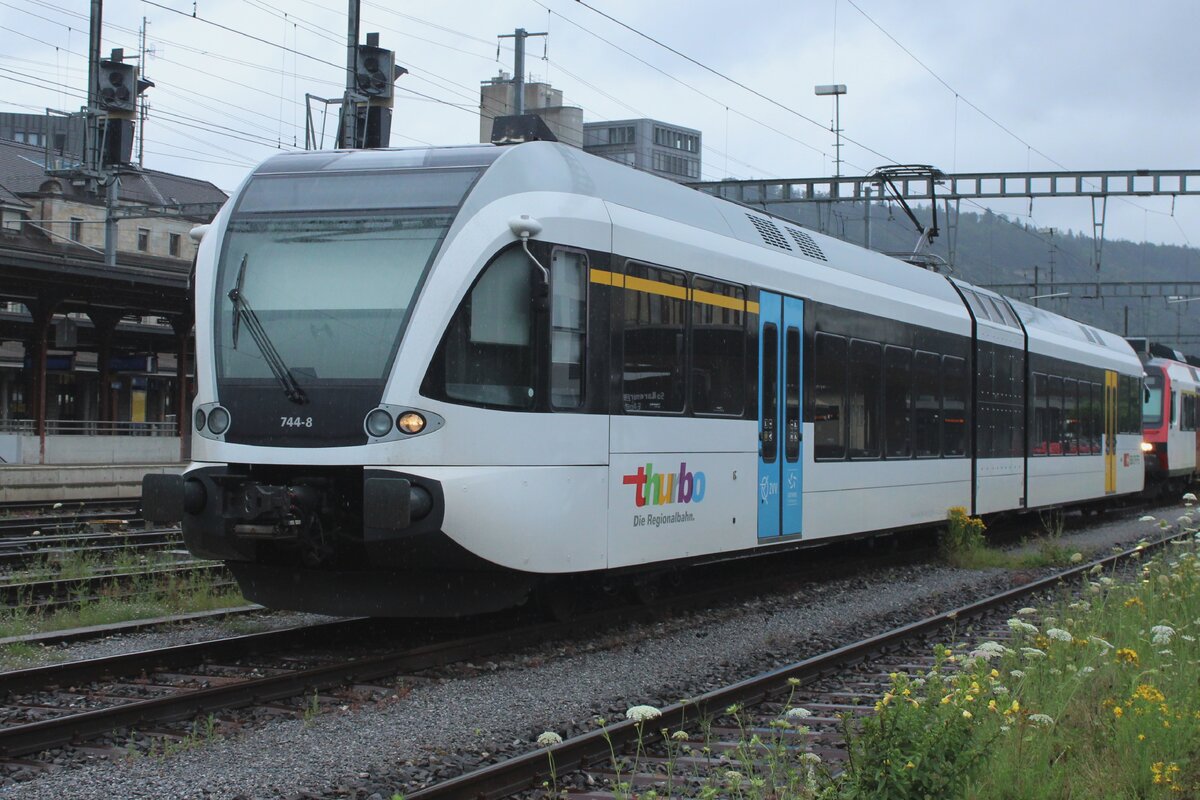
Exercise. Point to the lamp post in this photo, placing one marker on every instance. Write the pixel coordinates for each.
(837, 90)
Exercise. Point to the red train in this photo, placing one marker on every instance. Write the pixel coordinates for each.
(1170, 440)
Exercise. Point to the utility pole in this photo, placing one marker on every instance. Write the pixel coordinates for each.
(518, 81)
(142, 100)
(91, 159)
(346, 130)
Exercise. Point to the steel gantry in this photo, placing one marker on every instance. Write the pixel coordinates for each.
(930, 184)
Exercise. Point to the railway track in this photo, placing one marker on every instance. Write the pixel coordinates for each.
(51, 593)
(630, 756)
(21, 519)
(40, 707)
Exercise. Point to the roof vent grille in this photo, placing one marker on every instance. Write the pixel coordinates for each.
(769, 232)
(806, 244)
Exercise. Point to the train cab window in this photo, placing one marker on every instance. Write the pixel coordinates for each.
(927, 404)
(718, 347)
(1152, 400)
(897, 402)
(568, 327)
(829, 397)
(862, 398)
(655, 326)
(954, 406)
(487, 354)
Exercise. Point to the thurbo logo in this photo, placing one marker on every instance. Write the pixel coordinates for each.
(661, 489)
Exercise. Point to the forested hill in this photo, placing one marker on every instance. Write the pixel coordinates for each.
(993, 249)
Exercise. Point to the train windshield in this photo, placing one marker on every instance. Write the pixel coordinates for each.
(1152, 399)
(325, 270)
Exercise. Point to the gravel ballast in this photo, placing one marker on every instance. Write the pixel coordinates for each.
(470, 715)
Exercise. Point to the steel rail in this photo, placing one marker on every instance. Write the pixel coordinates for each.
(36, 736)
(525, 772)
(58, 588)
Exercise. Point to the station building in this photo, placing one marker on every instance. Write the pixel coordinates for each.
(89, 352)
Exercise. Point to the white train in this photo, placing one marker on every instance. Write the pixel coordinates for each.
(431, 381)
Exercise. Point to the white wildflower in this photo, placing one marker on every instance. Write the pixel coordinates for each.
(548, 738)
(988, 650)
(1016, 673)
(1187, 638)
(999, 690)
(1021, 626)
(1184, 520)
(1059, 635)
(643, 713)
(1147, 518)
(1104, 644)
(1041, 719)
(810, 758)
(1080, 605)
(1161, 634)
(1076, 558)
(1107, 581)
(733, 775)
(1188, 497)
(680, 736)
(797, 713)
(56, 506)
(1025, 612)
(1033, 652)
(1167, 652)
(1087, 670)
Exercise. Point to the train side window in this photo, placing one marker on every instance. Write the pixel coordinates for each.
(655, 315)
(897, 402)
(718, 347)
(791, 396)
(1124, 410)
(1070, 428)
(927, 404)
(829, 397)
(997, 307)
(1054, 415)
(1174, 403)
(862, 399)
(769, 439)
(1040, 435)
(1135, 406)
(976, 304)
(568, 327)
(954, 406)
(487, 354)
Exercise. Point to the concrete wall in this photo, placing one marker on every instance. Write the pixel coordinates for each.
(23, 449)
(65, 483)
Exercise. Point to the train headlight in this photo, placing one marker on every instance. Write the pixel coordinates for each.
(1147, 447)
(218, 420)
(200, 419)
(379, 423)
(411, 422)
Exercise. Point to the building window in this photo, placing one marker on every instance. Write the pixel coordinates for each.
(621, 135)
(664, 137)
(676, 165)
(76, 229)
(173, 244)
(143, 240)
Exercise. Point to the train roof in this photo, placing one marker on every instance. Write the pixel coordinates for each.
(1055, 335)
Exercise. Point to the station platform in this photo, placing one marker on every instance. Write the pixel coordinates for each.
(64, 482)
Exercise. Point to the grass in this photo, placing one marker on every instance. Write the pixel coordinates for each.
(1094, 695)
(152, 596)
(964, 545)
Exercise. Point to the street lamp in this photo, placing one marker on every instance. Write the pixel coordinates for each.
(837, 90)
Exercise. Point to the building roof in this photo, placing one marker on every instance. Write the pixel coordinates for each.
(23, 172)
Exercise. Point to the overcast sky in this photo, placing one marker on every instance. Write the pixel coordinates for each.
(963, 85)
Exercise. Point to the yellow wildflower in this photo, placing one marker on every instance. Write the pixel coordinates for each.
(910, 765)
(1118, 712)
(1127, 655)
(967, 715)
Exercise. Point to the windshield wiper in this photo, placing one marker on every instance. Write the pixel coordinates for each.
(235, 296)
(275, 362)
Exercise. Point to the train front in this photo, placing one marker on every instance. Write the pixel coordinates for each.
(304, 289)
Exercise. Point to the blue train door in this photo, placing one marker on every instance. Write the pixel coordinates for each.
(780, 395)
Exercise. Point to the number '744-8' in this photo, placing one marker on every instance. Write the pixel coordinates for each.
(295, 422)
